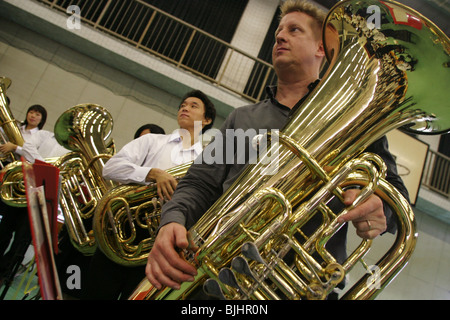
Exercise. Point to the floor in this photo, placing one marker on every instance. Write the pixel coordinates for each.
(25, 285)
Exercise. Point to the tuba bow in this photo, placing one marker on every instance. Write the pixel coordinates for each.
(379, 79)
(12, 189)
(84, 129)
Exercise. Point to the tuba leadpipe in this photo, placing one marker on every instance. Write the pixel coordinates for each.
(12, 188)
(373, 85)
(10, 129)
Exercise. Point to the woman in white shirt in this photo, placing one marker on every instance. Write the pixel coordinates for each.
(38, 143)
(34, 121)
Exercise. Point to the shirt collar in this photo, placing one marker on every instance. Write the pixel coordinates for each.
(198, 148)
(272, 91)
(175, 136)
(31, 130)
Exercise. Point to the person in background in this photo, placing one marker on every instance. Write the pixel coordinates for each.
(34, 121)
(148, 128)
(144, 161)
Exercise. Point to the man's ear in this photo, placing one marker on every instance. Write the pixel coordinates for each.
(320, 50)
(206, 121)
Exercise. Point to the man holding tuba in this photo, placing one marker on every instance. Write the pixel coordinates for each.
(297, 57)
(143, 161)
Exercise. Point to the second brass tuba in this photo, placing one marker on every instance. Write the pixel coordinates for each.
(12, 188)
(86, 130)
(10, 131)
(380, 78)
(127, 218)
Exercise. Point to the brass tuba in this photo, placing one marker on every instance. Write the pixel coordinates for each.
(379, 79)
(10, 129)
(127, 218)
(12, 189)
(84, 129)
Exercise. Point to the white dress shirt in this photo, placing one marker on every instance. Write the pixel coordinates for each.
(133, 162)
(41, 145)
(26, 135)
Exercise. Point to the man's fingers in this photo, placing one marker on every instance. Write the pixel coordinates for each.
(166, 188)
(165, 266)
(168, 271)
(159, 279)
(150, 277)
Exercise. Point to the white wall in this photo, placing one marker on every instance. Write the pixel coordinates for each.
(44, 72)
(426, 276)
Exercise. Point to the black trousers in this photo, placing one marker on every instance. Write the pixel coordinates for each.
(107, 280)
(14, 226)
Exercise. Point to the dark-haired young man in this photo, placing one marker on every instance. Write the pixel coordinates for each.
(144, 160)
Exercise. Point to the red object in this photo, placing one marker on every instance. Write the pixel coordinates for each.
(48, 176)
(403, 17)
(42, 185)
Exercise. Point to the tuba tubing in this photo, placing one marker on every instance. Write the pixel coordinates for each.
(390, 264)
(12, 189)
(126, 220)
(400, 252)
(8, 124)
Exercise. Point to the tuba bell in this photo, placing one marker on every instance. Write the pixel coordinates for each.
(374, 84)
(12, 189)
(84, 129)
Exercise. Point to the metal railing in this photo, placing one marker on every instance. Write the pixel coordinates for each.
(175, 41)
(436, 175)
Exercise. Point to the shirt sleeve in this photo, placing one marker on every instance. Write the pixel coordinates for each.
(30, 147)
(126, 165)
(41, 145)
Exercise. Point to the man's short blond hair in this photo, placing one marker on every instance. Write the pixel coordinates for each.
(306, 7)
